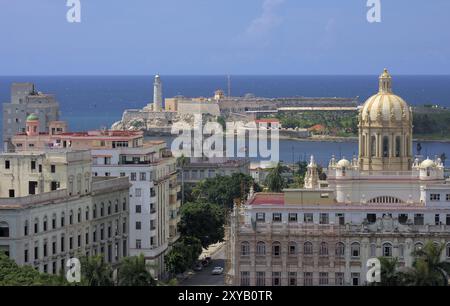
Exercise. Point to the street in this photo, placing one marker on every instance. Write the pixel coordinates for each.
(204, 277)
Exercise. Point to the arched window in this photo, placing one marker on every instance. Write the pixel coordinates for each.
(109, 208)
(385, 146)
(373, 146)
(62, 219)
(102, 210)
(323, 251)
(71, 217)
(94, 211)
(418, 246)
(276, 249)
(87, 213)
(355, 249)
(4, 230)
(116, 206)
(79, 183)
(245, 248)
(447, 250)
(397, 146)
(292, 248)
(387, 249)
(363, 145)
(53, 221)
(79, 215)
(340, 249)
(308, 248)
(260, 248)
(44, 223)
(36, 225)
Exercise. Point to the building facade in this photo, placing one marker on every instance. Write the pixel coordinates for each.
(382, 203)
(24, 101)
(149, 165)
(58, 211)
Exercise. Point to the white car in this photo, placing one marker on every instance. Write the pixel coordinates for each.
(217, 271)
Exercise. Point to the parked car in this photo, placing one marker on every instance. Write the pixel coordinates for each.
(217, 271)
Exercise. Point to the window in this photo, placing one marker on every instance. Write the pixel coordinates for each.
(403, 218)
(276, 278)
(133, 176)
(385, 146)
(7, 164)
(339, 279)
(138, 244)
(276, 217)
(44, 224)
(71, 217)
(387, 250)
(323, 218)
(260, 278)
(36, 252)
(25, 228)
(355, 279)
(142, 176)
(355, 249)
(70, 243)
(4, 230)
(11, 193)
(137, 192)
(309, 218)
(371, 218)
(418, 219)
(63, 242)
(373, 250)
(79, 215)
(340, 249)
(397, 146)
(87, 213)
(54, 185)
(25, 255)
(260, 248)
(52, 168)
(341, 219)
(323, 278)
(54, 247)
(292, 278)
(401, 250)
(437, 219)
(109, 208)
(323, 251)
(292, 248)
(418, 246)
(447, 197)
(276, 249)
(307, 279)
(122, 174)
(308, 248)
(245, 278)
(447, 250)
(260, 217)
(435, 197)
(102, 210)
(373, 146)
(292, 217)
(36, 226)
(245, 248)
(33, 165)
(138, 209)
(62, 219)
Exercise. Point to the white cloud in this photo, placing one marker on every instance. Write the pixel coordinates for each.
(266, 21)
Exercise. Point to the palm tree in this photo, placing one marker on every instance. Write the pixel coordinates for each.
(390, 276)
(182, 161)
(133, 271)
(95, 272)
(428, 269)
(275, 181)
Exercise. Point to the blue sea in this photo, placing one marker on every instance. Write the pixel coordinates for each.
(91, 102)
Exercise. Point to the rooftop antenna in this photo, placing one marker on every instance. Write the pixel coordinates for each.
(229, 86)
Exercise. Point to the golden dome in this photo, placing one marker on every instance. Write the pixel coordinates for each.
(385, 106)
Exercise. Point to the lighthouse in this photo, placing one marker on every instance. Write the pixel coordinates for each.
(157, 94)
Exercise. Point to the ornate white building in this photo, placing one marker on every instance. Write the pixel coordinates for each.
(381, 203)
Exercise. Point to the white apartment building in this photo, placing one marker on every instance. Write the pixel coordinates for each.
(51, 209)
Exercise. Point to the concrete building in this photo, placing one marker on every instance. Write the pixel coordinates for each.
(198, 169)
(154, 195)
(382, 203)
(24, 101)
(51, 209)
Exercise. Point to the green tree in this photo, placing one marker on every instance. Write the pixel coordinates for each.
(275, 181)
(133, 271)
(183, 255)
(95, 272)
(12, 274)
(203, 221)
(428, 269)
(223, 190)
(390, 276)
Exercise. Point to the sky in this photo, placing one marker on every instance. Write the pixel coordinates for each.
(250, 37)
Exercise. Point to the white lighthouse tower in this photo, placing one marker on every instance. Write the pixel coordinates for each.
(157, 94)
